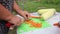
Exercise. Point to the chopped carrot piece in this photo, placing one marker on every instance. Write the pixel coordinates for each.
(27, 23)
(37, 25)
(31, 26)
(34, 24)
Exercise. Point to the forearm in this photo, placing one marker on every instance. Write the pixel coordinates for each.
(16, 7)
(4, 13)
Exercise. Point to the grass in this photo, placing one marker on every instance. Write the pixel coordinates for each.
(34, 6)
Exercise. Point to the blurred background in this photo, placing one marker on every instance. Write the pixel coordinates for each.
(34, 5)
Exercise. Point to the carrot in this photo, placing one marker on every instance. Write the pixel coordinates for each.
(28, 21)
(37, 25)
(34, 24)
(36, 16)
(31, 26)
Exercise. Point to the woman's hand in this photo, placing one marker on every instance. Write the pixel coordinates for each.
(16, 21)
(25, 14)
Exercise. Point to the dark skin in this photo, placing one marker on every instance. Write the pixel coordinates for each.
(5, 14)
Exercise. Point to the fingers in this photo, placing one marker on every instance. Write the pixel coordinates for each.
(27, 15)
(16, 21)
(19, 23)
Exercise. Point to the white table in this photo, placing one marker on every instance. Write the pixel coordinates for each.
(49, 30)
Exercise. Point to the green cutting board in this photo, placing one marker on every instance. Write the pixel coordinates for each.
(26, 27)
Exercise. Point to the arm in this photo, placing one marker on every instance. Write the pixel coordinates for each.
(25, 14)
(16, 7)
(4, 13)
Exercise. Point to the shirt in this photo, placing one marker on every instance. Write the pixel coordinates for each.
(7, 4)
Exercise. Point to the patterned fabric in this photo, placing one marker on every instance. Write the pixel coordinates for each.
(3, 29)
(9, 5)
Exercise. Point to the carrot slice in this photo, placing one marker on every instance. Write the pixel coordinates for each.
(31, 26)
(37, 25)
(34, 24)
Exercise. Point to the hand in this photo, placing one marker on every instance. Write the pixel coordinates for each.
(25, 14)
(16, 21)
(57, 24)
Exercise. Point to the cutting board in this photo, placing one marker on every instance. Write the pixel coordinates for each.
(29, 27)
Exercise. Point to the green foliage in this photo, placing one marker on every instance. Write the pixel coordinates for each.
(51, 1)
(34, 5)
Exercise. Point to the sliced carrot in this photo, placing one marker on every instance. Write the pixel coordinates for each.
(38, 25)
(27, 23)
(31, 26)
(27, 20)
(34, 24)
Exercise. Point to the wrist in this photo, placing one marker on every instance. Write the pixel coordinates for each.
(9, 17)
(19, 11)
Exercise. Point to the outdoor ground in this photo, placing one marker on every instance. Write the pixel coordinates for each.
(34, 6)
